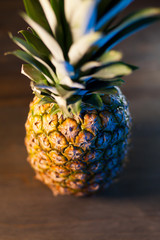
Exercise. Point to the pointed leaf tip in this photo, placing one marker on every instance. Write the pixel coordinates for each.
(46, 37)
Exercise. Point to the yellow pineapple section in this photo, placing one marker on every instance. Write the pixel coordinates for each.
(74, 155)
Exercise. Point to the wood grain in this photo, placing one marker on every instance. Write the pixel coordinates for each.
(129, 209)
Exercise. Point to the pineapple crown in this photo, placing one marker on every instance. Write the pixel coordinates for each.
(68, 49)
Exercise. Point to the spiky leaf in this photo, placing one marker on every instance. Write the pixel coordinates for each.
(55, 6)
(94, 100)
(35, 43)
(79, 48)
(45, 100)
(113, 70)
(112, 10)
(110, 56)
(130, 25)
(35, 11)
(33, 74)
(29, 59)
(95, 85)
(47, 39)
(49, 14)
(108, 71)
(27, 47)
(68, 49)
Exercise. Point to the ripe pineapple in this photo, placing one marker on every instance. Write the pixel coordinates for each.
(78, 126)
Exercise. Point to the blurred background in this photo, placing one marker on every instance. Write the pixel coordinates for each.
(130, 209)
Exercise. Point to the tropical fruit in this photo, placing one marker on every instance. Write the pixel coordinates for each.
(78, 126)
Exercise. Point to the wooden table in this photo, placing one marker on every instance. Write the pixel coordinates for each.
(129, 209)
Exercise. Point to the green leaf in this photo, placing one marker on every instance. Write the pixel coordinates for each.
(113, 70)
(79, 48)
(53, 91)
(29, 59)
(47, 39)
(87, 67)
(32, 31)
(36, 43)
(108, 91)
(96, 85)
(108, 71)
(80, 16)
(55, 6)
(127, 27)
(106, 58)
(46, 100)
(33, 74)
(55, 109)
(110, 56)
(71, 8)
(65, 71)
(145, 13)
(35, 11)
(103, 7)
(24, 45)
(111, 11)
(64, 32)
(63, 105)
(73, 99)
(50, 15)
(76, 107)
(94, 100)
(31, 51)
(64, 92)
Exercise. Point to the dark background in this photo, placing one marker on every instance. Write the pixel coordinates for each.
(129, 209)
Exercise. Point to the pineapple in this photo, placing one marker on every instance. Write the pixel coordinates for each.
(78, 126)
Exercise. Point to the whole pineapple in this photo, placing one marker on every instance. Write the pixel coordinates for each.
(78, 126)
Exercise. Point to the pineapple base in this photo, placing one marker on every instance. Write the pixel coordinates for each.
(78, 155)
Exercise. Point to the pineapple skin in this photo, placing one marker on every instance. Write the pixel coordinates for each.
(78, 155)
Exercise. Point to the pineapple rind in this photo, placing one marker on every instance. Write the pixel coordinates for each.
(78, 155)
